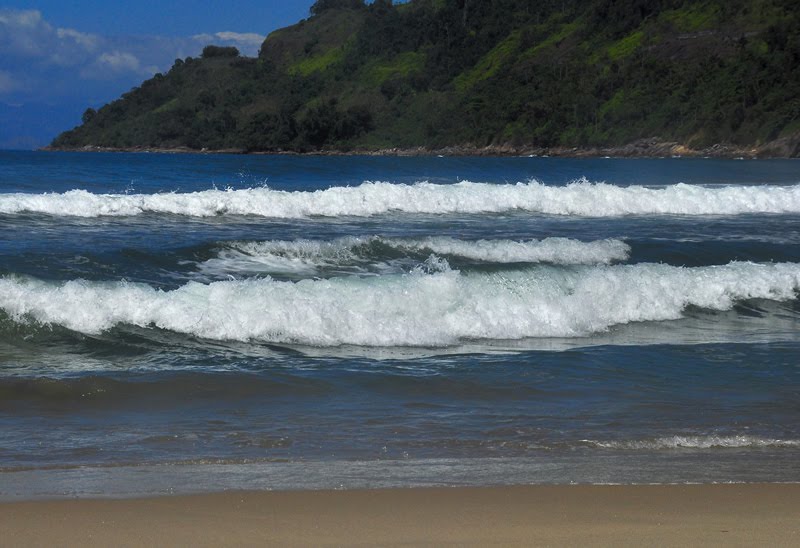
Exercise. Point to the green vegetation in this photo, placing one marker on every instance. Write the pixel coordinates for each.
(553, 40)
(438, 73)
(317, 63)
(692, 18)
(219, 51)
(490, 63)
(402, 65)
(625, 47)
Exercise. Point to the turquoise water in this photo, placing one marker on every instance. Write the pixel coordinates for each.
(182, 323)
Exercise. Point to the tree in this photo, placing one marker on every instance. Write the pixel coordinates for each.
(220, 51)
(323, 5)
(88, 115)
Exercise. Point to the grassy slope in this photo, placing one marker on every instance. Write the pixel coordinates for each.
(427, 74)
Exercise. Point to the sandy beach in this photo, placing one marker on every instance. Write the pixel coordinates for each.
(672, 515)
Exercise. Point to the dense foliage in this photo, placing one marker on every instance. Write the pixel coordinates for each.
(453, 72)
(219, 51)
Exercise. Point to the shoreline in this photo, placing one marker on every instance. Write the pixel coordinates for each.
(785, 148)
(142, 481)
(730, 514)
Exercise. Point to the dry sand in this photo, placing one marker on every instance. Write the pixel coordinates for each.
(729, 515)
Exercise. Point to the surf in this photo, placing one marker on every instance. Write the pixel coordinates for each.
(432, 306)
(579, 198)
(381, 255)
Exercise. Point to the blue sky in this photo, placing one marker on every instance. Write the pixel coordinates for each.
(59, 57)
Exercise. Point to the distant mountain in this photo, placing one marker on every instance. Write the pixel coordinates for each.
(512, 74)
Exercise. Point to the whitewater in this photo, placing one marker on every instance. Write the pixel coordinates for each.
(376, 254)
(581, 198)
(417, 309)
(189, 323)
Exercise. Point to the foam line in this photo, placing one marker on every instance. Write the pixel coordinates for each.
(580, 198)
(369, 254)
(696, 442)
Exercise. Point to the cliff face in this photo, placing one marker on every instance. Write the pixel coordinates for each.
(438, 73)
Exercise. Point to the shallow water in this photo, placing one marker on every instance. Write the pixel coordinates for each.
(205, 322)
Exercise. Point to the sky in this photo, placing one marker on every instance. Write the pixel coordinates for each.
(58, 58)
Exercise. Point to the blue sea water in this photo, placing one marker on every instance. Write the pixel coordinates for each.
(184, 323)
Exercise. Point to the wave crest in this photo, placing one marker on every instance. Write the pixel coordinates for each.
(359, 255)
(436, 308)
(580, 198)
(695, 442)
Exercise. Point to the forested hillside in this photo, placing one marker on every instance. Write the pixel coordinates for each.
(518, 73)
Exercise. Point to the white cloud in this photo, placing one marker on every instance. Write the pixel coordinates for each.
(25, 37)
(88, 41)
(43, 64)
(40, 61)
(20, 18)
(119, 61)
(204, 38)
(248, 42)
(23, 32)
(116, 64)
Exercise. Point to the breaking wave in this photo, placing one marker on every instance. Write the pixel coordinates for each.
(696, 442)
(581, 198)
(383, 255)
(432, 306)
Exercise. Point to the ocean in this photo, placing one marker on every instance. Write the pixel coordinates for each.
(194, 323)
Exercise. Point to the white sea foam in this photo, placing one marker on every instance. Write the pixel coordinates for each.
(359, 254)
(550, 250)
(581, 198)
(436, 308)
(300, 257)
(696, 442)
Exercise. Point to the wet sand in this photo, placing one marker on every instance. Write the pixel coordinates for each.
(679, 515)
